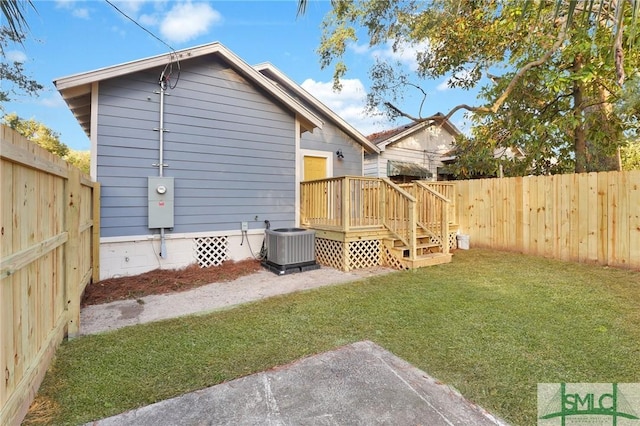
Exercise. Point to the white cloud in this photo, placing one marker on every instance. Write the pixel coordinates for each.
(16, 56)
(405, 53)
(148, 20)
(360, 48)
(119, 31)
(446, 84)
(53, 101)
(72, 5)
(130, 7)
(349, 103)
(186, 21)
(81, 12)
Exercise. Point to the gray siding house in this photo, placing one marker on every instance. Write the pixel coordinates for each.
(195, 150)
(411, 151)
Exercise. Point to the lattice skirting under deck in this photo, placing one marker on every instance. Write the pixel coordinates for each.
(363, 254)
(453, 242)
(211, 251)
(388, 259)
(359, 254)
(330, 253)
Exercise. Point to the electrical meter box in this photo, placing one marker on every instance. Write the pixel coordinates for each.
(160, 191)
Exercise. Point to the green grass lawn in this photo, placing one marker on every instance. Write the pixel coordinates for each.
(492, 324)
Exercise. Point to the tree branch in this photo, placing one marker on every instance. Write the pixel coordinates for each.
(492, 109)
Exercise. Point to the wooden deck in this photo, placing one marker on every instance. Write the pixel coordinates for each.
(362, 222)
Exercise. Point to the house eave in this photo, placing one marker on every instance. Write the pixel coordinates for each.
(78, 86)
(368, 146)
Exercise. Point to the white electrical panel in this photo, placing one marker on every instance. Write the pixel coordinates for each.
(160, 195)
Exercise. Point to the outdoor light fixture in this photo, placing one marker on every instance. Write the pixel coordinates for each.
(339, 154)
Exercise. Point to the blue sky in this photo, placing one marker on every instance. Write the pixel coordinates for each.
(69, 37)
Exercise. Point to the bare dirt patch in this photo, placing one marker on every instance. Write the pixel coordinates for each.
(161, 281)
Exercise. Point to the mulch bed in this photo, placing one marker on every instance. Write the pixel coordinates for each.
(161, 281)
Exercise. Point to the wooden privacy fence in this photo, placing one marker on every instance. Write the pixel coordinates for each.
(590, 217)
(49, 242)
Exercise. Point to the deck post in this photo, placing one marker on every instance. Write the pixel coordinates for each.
(412, 230)
(382, 206)
(445, 227)
(346, 203)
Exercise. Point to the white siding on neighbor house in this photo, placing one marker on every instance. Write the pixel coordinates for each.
(372, 166)
(425, 147)
(230, 149)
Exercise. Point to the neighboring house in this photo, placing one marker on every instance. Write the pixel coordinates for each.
(412, 151)
(502, 153)
(195, 150)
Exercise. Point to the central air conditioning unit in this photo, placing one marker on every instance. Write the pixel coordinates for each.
(290, 250)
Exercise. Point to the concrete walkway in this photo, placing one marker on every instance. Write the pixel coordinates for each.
(358, 384)
(212, 297)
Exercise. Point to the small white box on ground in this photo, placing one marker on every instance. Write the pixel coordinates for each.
(463, 241)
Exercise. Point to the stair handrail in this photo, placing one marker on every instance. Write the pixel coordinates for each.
(444, 223)
(433, 191)
(408, 238)
(448, 190)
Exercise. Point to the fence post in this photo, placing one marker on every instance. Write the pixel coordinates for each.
(71, 252)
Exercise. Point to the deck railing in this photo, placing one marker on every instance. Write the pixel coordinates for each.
(448, 191)
(352, 202)
(322, 203)
(433, 212)
(364, 202)
(399, 213)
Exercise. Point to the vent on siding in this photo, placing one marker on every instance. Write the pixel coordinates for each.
(290, 246)
(211, 251)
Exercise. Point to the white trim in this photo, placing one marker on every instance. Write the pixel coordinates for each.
(298, 176)
(171, 236)
(300, 91)
(314, 153)
(66, 85)
(93, 166)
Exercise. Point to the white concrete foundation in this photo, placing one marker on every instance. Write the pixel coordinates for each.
(124, 256)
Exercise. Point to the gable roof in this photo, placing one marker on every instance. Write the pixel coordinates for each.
(387, 137)
(77, 89)
(279, 78)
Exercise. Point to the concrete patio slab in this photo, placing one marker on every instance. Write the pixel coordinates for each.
(358, 384)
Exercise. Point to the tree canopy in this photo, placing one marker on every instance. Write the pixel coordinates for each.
(12, 32)
(48, 139)
(555, 79)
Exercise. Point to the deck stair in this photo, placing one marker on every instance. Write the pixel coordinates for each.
(428, 252)
(410, 223)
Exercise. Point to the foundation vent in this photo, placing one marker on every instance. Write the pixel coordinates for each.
(211, 251)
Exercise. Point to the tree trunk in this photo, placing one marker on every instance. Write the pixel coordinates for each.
(579, 137)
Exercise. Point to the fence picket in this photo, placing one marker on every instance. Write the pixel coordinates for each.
(34, 243)
(590, 217)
